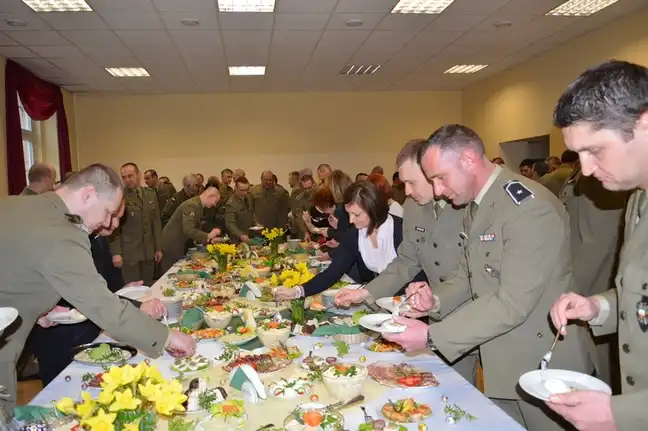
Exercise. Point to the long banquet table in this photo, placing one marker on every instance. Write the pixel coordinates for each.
(452, 385)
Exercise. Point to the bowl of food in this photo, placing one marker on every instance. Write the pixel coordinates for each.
(198, 255)
(263, 271)
(187, 275)
(328, 297)
(345, 381)
(301, 257)
(218, 319)
(293, 244)
(273, 333)
(314, 417)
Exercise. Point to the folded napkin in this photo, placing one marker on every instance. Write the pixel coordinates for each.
(326, 330)
(30, 413)
(201, 274)
(192, 319)
(256, 241)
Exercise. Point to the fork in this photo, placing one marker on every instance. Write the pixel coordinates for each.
(544, 363)
(368, 419)
(379, 325)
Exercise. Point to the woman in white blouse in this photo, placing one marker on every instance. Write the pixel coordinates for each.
(381, 182)
(371, 241)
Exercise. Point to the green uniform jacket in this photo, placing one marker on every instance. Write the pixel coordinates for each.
(45, 256)
(214, 217)
(270, 207)
(172, 205)
(184, 227)
(226, 192)
(630, 295)
(139, 234)
(432, 245)
(28, 192)
(165, 191)
(596, 226)
(555, 180)
(299, 203)
(238, 217)
(516, 264)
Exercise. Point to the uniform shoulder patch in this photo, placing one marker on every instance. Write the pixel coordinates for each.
(517, 191)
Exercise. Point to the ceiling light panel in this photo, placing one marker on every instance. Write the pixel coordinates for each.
(466, 68)
(58, 5)
(421, 6)
(128, 72)
(246, 5)
(360, 69)
(247, 70)
(580, 7)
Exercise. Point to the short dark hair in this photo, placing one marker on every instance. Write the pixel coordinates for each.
(323, 198)
(395, 176)
(294, 174)
(152, 172)
(241, 180)
(130, 164)
(213, 181)
(527, 162)
(307, 177)
(409, 151)
(569, 156)
(371, 199)
(227, 171)
(541, 168)
(497, 159)
(453, 137)
(361, 174)
(612, 95)
(101, 177)
(40, 172)
(165, 178)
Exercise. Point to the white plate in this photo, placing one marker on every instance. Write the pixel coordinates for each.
(533, 384)
(388, 304)
(371, 320)
(7, 316)
(135, 293)
(236, 341)
(70, 317)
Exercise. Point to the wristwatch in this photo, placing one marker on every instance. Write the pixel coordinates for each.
(430, 344)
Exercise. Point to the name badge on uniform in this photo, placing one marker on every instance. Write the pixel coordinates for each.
(642, 313)
(132, 214)
(487, 237)
(491, 271)
(419, 229)
(463, 235)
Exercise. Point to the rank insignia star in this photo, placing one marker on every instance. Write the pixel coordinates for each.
(517, 191)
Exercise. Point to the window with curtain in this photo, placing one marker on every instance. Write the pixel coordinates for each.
(28, 137)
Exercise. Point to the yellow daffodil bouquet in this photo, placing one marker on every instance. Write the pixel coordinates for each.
(275, 237)
(221, 253)
(131, 399)
(292, 277)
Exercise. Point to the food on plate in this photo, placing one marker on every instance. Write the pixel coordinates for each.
(265, 312)
(204, 300)
(180, 284)
(284, 352)
(556, 386)
(103, 354)
(201, 397)
(406, 411)
(340, 284)
(168, 292)
(273, 332)
(242, 335)
(262, 363)
(92, 380)
(381, 425)
(342, 320)
(218, 318)
(314, 417)
(401, 376)
(309, 327)
(314, 363)
(291, 387)
(209, 333)
(190, 365)
(228, 415)
(384, 346)
(344, 381)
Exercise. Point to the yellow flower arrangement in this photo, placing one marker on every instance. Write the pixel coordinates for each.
(222, 249)
(273, 234)
(292, 277)
(130, 400)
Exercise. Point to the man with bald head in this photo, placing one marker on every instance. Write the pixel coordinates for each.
(270, 202)
(42, 177)
(238, 173)
(190, 188)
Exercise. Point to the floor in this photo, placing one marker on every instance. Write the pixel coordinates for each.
(28, 390)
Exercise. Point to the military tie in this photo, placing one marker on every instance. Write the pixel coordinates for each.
(138, 192)
(437, 209)
(641, 204)
(472, 210)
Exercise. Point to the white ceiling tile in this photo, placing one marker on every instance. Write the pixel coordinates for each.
(36, 65)
(246, 48)
(133, 20)
(456, 22)
(89, 41)
(246, 21)
(75, 21)
(380, 46)
(66, 51)
(338, 21)
(284, 21)
(16, 52)
(34, 22)
(529, 7)
(246, 84)
(6, 40)
(37, 38)
(481, 7)
(305, 6)
(184, 5)
(287, 43)
(173, 20)
(148, 43)
(340, 44)
(77, 88)
(79, 66)
(121, 5)
(115, 60)
(406, 21)
(12, 6)
(197, 45)
(365, 6)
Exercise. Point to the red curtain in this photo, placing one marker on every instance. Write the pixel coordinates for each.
(41, 100)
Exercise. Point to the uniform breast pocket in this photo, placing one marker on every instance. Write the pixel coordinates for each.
(634, 297)
(486, 257)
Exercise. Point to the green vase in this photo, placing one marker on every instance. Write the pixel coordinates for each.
(298, 310)
(222, 262)
(274, 248)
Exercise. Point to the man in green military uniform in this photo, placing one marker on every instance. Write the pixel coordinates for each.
(226, 189)
(185, 225)
(270, 202)
(293, 182)
(41, 177)
(515, 265)
(555, 179)
(165, 191)
(239, 217)
(431, 242)
(603, 115)
(137, 244)
(35, 276)
(299, 203)
(190, 188)
(214, 217)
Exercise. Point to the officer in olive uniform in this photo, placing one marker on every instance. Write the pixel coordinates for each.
(137, 244)
(239, 217)
(164, 190)
(270, 202)
(299, 203)
(185, 227)
(190, 188)
(516, 264)
(214, 217)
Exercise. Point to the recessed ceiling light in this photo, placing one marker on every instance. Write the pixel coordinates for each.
(580, 7)
(247, 70)
(58, 5)
(466, 68)
(421, 6)
(502, 24)
(355, 22)
(246, 5)
(190, 22)
(13, 22)
(360, 69)
(128, 72)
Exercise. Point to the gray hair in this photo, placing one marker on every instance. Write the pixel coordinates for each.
(189, 180)
(105, 180)
(454, 138)
(41, 172)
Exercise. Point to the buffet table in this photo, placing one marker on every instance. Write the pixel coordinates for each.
(453, 389)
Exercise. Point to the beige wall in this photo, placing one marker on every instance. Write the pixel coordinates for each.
(519, 102)
(282, 132)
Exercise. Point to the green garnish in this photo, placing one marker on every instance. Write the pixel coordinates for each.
(346, 371)
(314, 376)
(229, 352)
(358, 315)
(342, 348)
(168, 292)
(457, 413)
(178, 424)
(207, 399)
(87, 377)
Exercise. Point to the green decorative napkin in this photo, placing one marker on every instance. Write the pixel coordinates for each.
(326, 330)
(33, 413)
(201, 274)
(256, 241)
(192, 319)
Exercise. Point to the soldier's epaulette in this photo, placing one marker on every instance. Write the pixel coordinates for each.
(150, 189)
(74, 218)
(517, 191)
